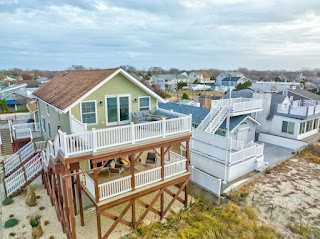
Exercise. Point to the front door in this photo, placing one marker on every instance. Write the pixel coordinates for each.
(243, 134)
(118, 110)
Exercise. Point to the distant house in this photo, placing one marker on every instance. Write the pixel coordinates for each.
(273, 87)
(292, 113)
(225, 80)
(201, 76)
(168, 81)
(189, 102)
(16, 96)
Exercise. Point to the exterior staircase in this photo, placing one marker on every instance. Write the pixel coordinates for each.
(215, 118)
(6, 147)
(21, 168)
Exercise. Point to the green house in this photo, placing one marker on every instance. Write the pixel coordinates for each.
(91, 99)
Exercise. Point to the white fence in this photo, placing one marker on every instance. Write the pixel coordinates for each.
(206, 181)
(89, 183)
(173, 169)
(147, 177)
(91, 141)
(299, 108)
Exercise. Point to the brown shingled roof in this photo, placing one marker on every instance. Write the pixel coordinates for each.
(65, 89)
(204, 73)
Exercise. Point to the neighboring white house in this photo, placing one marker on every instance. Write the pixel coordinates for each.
(293, 114)
(201, 76)
(273, 87)
(168, 81)
(220, 154)
(226, 80)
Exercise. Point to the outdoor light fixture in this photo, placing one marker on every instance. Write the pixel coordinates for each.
(135, 100)
(101, 103)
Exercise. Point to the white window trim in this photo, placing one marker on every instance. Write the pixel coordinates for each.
(140, 97)
(43, 129)
(118, 101)
(95, 106)
(47, 110)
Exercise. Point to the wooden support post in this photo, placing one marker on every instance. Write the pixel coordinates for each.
(80, 200)
(74, 194)
(134, 214)
(70, 200)
(98, 222)
(60, 199)
(162, 163)
(133, 183)
(186, 190)
(161, 205)
(96, 182)
(65, 204)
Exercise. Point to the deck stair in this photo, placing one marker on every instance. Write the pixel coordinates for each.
(215, 118)
(21, 168)
(6, 147)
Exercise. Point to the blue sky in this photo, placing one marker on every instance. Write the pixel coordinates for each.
(187, 34)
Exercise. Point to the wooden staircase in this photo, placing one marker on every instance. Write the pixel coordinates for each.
(22, 168)
(6, 147)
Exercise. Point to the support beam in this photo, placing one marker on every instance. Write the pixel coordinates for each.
(96, 183)
(98, 223)
(80, 200)
(70, 200)
(162, 163)
(175, 197)
(133, 183)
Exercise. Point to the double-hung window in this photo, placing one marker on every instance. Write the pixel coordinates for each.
(89, 112)
(144, 103)
(287, 127)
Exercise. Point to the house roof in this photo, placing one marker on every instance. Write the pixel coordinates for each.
(306, 94)
(12, 87)
(27, 82)
(32, 107)
(245, 93)
(198, 114)
(236, 120)
(203, 73)
(172, 76)
(67, 89)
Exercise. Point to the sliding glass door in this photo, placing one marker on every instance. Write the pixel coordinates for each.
(118, 110)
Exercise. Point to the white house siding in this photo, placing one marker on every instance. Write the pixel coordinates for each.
(250, 132)
(281, 141)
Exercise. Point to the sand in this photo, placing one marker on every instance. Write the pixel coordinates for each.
(22, 212)
(291, 192)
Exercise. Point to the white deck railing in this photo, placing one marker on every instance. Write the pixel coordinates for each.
(214, 110)
(176, 168)
(91, 141)
(14, 181)
(239, 105)
(76, 126)
(299, 108)
(19, 157)
(255, 150)
(115, 187)
(22, 134)
(33, 166)
(89, 183)
(147, 177)
(40, 145)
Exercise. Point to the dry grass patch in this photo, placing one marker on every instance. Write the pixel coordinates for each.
(203, 221)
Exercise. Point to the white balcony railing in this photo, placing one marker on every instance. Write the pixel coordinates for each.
(76, 126)
(147, 177)
(91, 141)
(25, 130)
(299, 108)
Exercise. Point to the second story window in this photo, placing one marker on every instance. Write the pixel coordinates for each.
(43, 124)
(144, 103)
(47, 109)
(88, 112)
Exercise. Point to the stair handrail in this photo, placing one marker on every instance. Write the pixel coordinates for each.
(209, 116)
(217, 121)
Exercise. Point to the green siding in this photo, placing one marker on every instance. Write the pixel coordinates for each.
(54, 118)
(116, 86)
(84, 165)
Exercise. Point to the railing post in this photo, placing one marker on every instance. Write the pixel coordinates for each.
(94, 140)
(163, 127)
(132, 133)
(64, 144)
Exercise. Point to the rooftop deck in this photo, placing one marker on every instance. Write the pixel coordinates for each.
(299, 109)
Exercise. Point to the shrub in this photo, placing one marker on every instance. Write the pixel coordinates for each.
(12, 234)
(35, 221)
(11, 215)
(11, 223)
(51, 237)
(7, 201)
